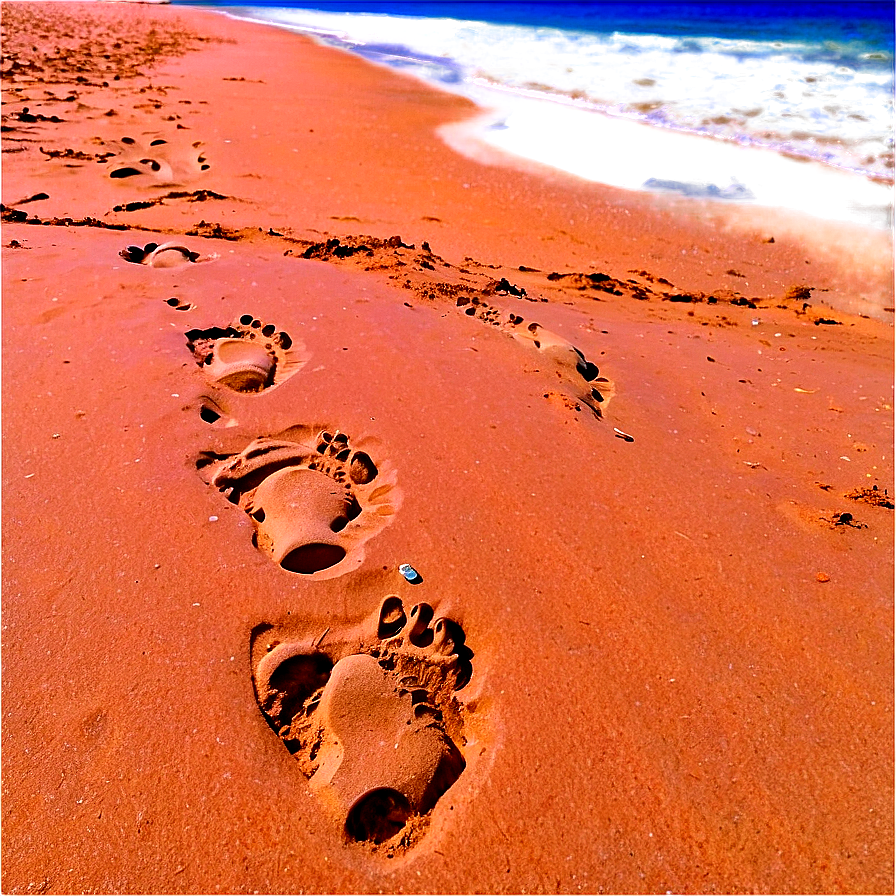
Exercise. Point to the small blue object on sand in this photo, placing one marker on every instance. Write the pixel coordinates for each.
(410, 573)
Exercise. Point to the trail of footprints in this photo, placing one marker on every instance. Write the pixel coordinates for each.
(315, 497)
(371, 713)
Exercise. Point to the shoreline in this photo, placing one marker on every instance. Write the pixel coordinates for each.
(592, 142)
(829, 248)
(267, 339)
(697, 165)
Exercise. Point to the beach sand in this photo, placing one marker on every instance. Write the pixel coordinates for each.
(635, 448)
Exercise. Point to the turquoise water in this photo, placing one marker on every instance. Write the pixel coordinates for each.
(810, 81)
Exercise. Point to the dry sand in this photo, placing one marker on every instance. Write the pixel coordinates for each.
(649, 645)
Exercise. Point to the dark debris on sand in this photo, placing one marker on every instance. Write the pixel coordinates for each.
(874, 496)
(17, 216)
(86, 49)
(189, 195)
(349, 246)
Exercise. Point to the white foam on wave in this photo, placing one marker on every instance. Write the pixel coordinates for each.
(662, 122)
(827, 103)
(425, 34)
(265, 20)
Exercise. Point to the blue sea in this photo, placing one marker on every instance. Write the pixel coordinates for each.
(780, 104)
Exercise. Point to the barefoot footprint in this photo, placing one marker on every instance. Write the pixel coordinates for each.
(168, 255)
(247, 356)
(372, 717)
(599, 390)
(156, 161)
(315, 500)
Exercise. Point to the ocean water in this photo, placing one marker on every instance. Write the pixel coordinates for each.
(775, 104)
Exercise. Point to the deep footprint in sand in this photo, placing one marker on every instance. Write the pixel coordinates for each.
(248, 355)
(372, 716)
(155, 161)
(167, 255)
(591, 388)
(314, 498)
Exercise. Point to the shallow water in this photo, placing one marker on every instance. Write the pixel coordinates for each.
(761, 84)
(633, 155)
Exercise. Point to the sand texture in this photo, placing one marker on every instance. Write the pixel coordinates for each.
(376, 519)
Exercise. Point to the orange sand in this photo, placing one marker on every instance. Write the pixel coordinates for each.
(665, 657)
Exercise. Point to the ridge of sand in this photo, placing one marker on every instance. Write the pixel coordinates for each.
(376, 520)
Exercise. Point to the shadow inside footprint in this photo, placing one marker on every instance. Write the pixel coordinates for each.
(372, 718)
(125, 172)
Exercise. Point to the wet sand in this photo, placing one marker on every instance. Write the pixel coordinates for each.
(637, 450)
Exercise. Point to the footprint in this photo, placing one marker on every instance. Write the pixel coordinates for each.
(154, 161)
(372, 716)
(247, 356)
(592, 389)
(168, 255)
(314, 499)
